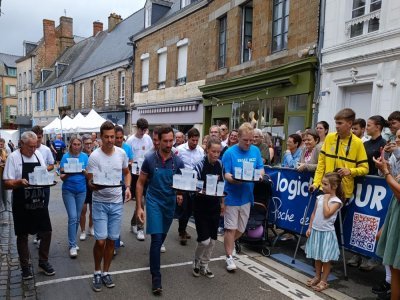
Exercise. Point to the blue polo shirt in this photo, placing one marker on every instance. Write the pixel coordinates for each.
(74, 183)
(240, 194)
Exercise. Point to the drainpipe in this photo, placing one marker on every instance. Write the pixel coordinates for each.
(321, 30)
(132, 61)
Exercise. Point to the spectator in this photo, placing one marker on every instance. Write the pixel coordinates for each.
(59, 147)
(322, 129)
(394, 125)
(309, 155)
(232, 140)
(358, 129)
(179, 139)
(293, 152)
(204, 142)
(262, 146)
(224, 133)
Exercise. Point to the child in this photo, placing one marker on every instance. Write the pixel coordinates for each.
(207, 209)
(322, 244)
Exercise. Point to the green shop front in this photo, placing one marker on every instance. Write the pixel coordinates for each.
(277, 100)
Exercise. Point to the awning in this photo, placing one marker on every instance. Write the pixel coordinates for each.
(168, 107)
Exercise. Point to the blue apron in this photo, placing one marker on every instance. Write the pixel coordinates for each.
(160, 199)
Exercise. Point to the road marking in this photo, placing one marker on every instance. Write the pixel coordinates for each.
(273, 279)
(59, 280)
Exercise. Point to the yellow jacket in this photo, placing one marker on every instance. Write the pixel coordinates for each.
(343, 153)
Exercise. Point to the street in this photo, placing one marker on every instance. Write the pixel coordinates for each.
(258, 277)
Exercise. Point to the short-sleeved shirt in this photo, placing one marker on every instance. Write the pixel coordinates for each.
(13, 167)
(240, 194)
(189, 156)
(320, 222)
(140, 146)
(73, 182)
(128, 151)
(59, 145)
(47, 155)
(100, 162)
(373, 149)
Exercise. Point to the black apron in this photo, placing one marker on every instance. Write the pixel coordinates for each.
(29, 210)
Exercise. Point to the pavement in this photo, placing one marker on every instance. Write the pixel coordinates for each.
(258, 277)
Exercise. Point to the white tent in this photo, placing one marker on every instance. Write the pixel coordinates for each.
(77, 122)
(92, 122)
(66, 123)
(54, 125)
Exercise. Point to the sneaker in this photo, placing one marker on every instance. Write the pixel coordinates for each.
(77, 248)
(369, 265)
(220, 231)
(38, 244)
(27, 273)
(73, 253)
(121, 244)
(163, 249)
(97, 282)
(134, 229)
(140, 235)
(382, 288)
(156, 286)
(354, 261)
(82, 237)
(35, 240)
(196, 268)
(107, 280)
(230, 264)
(183, 238)
(205, 271)
(46, 268)
(91, 231)
(234, 251)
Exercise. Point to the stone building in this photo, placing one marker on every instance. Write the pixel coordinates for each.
(360, 58)
(8, 90)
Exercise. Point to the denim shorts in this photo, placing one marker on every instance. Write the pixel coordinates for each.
(107, 219)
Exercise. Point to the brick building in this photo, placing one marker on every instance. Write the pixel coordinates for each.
(8, 90)
(170, 63)
(261, 64)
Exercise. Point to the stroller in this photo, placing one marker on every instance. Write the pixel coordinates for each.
(256, 234)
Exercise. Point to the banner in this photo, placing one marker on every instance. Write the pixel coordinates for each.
(366, 210)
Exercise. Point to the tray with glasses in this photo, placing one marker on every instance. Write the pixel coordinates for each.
(247, 173)
(42, 185)
(72, 173)
(203, 193)
(180, 189)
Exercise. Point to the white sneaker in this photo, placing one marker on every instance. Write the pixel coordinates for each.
(134, 229)
(230, 264)
(234, 251)
(73, 252)
(140, 235)
(162, 250)
(121, 244)
(82, 237)
(91, 231)
(35, 240)
(38, 244)
(77, 248)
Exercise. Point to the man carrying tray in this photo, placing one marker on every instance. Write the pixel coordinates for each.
(107, 204)
(31, 215)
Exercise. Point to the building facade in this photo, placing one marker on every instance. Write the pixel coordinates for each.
(261, 64)
(360, 58)
(8, 90)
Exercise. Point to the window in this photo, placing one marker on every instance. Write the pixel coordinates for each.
(20, 112)
(222, 42)
(184, 3)
(147, 17)
(182, 61)
(145, 72)
(280, 25)
(106, 90)
(162, 67)
(12, 72)
(30, 105)
(82, 85)
(25, 106)
(365, 17)
(52, 98)
(93, 93)
(65, 95)
(30, 77)
(24, 80)
(122, 88)
(11, 90)
(247, 31)
(19, 81)
(45, 100)
(41, 102)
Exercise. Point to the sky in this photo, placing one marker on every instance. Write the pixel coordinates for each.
(22, 19)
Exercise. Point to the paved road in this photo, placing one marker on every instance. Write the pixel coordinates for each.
(257, 278)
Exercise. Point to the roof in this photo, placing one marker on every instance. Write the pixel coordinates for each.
(9, 60)
(105, 54)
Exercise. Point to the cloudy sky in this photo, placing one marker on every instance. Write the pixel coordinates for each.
(22, 19)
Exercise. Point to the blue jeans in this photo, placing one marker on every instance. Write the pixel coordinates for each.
(157, 240)
(73, 202)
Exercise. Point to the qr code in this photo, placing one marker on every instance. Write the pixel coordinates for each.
(364, 231)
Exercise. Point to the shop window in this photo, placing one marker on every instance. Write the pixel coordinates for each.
(280, 25)
(247, 31)
(297, 103)
(295, 123)
(365, 17)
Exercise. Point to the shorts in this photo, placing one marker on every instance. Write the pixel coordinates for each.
(59, 155)
(107, 219)
(236, 217)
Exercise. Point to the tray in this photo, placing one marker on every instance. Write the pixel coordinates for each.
(107, 186)
(203, 193)
(187, 191)
(243, 180)
(42, 185)
(72, 173)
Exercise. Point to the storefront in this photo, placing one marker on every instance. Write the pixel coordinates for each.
(278, 101)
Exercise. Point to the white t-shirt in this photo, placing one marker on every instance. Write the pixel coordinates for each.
(13, 168)
(140, 146)
(320, 222)
(98, 162)
(46, 153)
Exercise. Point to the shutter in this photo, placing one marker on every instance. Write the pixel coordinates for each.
(182, 61)
(145, 72)
(162, 67)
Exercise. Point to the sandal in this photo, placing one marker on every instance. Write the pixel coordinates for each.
(312, 282)
(322, 285)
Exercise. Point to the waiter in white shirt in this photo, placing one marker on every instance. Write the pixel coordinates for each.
(191, 153)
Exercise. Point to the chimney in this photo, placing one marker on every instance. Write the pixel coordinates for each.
(65, 33)
(113, 20)
(97, 27)
(50, 47)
